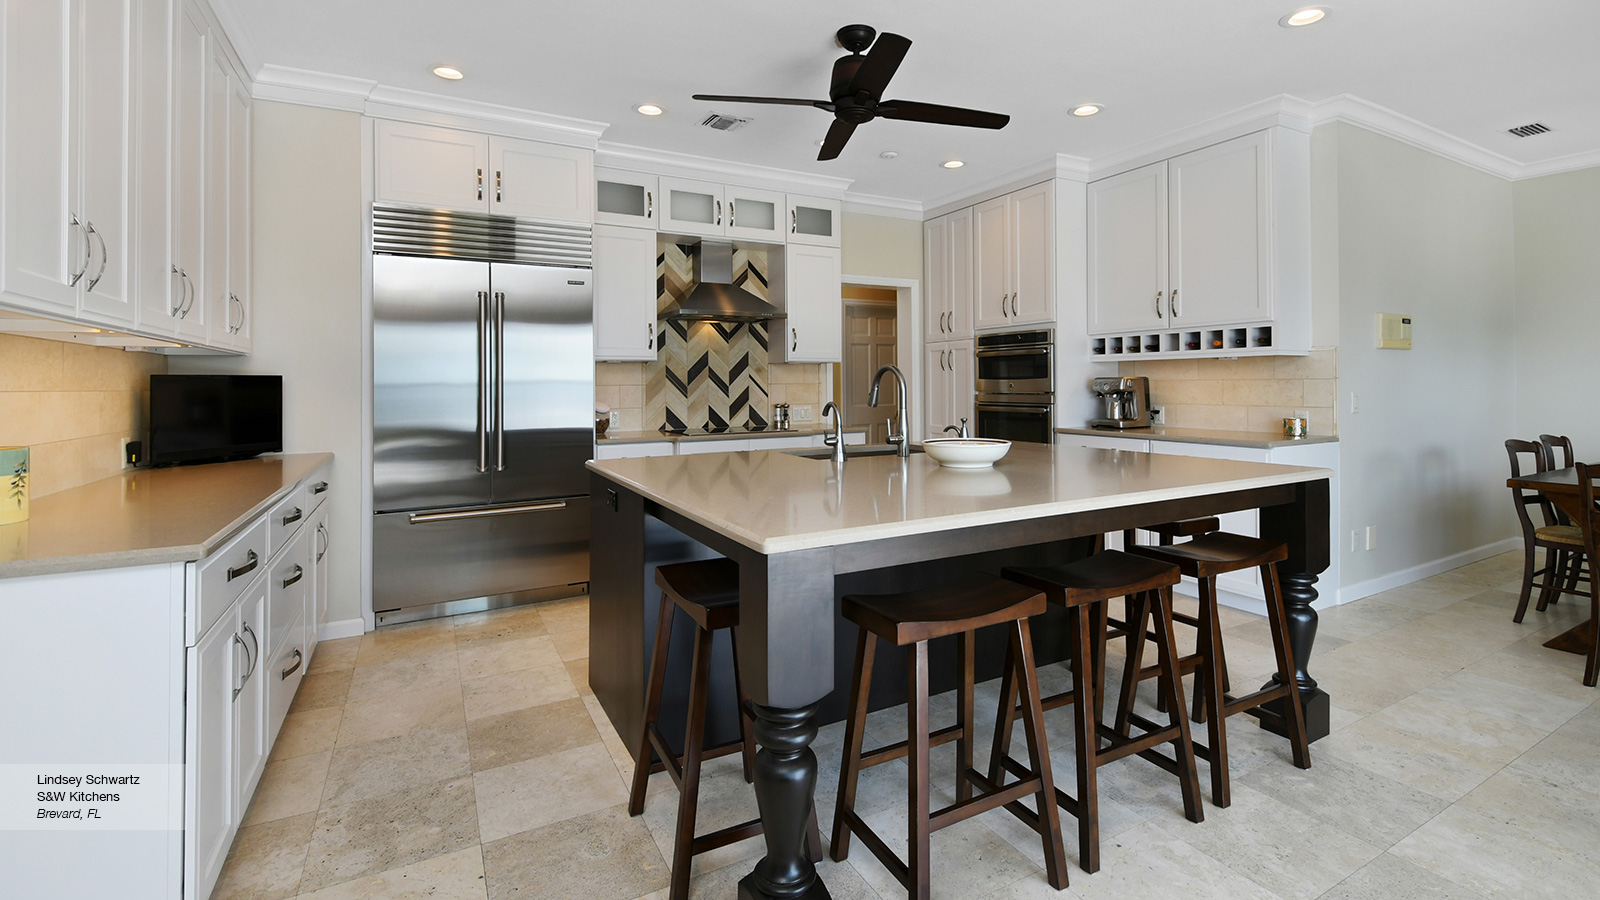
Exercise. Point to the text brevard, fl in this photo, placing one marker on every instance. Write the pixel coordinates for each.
(59, 795)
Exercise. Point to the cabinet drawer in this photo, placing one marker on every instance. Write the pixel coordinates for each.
(287, 516)
(283, 670)
(288, 580)
(226, 573)
(317, 488)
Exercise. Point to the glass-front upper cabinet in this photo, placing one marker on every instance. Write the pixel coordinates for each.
(755, 215)
(813, 220)
(630, 199)
(693, 207)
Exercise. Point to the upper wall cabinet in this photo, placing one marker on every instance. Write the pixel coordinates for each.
(67, 149)
(713, 210)
(442, 168)
(1013, 259)
(814, 329)
(948, 261)
(624, 293)
(1205, 253)
(624, 198)
(815, 220)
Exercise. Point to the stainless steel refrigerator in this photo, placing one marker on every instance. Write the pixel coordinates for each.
(483, 411)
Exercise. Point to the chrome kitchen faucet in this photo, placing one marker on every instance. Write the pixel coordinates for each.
(897, 425)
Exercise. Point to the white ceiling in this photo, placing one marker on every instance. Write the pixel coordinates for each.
(1469, 68)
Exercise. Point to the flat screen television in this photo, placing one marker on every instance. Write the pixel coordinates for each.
(208, 418)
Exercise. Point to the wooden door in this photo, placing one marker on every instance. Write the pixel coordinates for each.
(870, 335)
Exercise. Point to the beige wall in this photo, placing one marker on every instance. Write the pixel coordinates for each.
(882, 247)
(1558, 308)
(1250, 394)
(73, 406)
(306, 297)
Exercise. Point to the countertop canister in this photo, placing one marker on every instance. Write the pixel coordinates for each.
(13, 485)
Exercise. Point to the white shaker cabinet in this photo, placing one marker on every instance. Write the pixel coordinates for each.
(423, 165)
(192, 62)
(947, 243)
(1218, 215)
(1014, 259)
(692, 207)
(950, 387)
(1127, 279)
(535, 180)
(814, 304)
(628, 199)
(624, 293)
(815, 220)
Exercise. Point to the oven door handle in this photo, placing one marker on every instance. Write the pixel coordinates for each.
(1015, 351)
(1011, 407)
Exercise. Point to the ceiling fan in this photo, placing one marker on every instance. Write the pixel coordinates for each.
(858, 83)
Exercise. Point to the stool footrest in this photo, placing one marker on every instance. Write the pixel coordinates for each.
(899, 749)
(673, 764)
(1063, 799)
(886, 856)
(966, 809)
(722, 837)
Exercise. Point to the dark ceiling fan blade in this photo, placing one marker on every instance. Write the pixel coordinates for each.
(880, 65)
(838, 134)
(911, 111)
(780, 101)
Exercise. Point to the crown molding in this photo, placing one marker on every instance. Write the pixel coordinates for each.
(227, 15)
(1560, 164)
(705, 168)
(998, 186)
(386, 102)
(1387, 122)
(888, 207)
(308, 88)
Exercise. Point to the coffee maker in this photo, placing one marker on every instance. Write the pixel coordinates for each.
(1124, 402)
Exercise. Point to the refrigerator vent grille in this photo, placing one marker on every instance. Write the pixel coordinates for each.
(436, 232)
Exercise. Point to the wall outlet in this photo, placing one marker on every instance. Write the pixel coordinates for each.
(801, 413)
(1355, 540)
(1355, 403)
(1155, 417)
(123, 460)
(615, 418)
(1372, 537)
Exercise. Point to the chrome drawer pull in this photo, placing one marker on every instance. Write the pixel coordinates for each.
(299, 573)
(319, 487)
(294, 516)
(251, 561)
(298, 659)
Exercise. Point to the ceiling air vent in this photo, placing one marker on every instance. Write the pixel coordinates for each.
(724, 123)
(1529, 130)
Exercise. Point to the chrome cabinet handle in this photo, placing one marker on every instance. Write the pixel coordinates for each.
(229, 325)
(320, 487)
(1013, 303)
(238, 689)
(235, 327)
(178, 272)
(88, 249)
(731, 218)
(651, 335)
(649, 204)
(794, 222)
(719, 213)
(457, 515)
(1003, 299)
(299, 573)
(251, 561)
(1172, 303)
(497, 197)
(101, 240)
(1158, 304)
(294, 516)
(499, 381)
(255, 657)
(322, 531)
(188, 295)
(298, 659)
(796, 345)
(483, 375)
(480, 184)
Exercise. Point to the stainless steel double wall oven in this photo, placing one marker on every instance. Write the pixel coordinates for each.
(1016, 386)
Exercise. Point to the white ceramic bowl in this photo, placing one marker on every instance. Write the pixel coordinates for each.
(966, 453)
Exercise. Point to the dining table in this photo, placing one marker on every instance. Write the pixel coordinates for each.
(807, 531)
(1560, 486)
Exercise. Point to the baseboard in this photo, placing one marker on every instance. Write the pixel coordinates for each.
(332, 631)
(1352, 592)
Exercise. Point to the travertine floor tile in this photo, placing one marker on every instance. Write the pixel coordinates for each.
(1533, 708)
(331, 655)
(455, 876)
(1393, 878)
(566, 615)
(571, 644)
(310, 731)
(578, 671)
(289, 787)
(389, 831)
(393, 715)
(1361, 803)
(528, 733)
(498, 625)
(322, 690)
(536, 792)
(602, 855)
(967, 859)
(517, 690)
(266, 860)
(1149, 863)
(480, 660)
(400, 641)
(412, 673)
(392, 764)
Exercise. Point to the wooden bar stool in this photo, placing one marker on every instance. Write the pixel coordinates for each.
(912, 619)
(1081, 587)
(708, 590)
(1204, 558)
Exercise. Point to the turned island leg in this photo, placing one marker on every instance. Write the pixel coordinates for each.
(1304, 527)
(786, 777)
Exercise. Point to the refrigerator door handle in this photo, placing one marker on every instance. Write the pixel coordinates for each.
(456, 515)
(483, 375)
(500, 381)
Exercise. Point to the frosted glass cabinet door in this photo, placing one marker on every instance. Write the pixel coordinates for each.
(814, 220)
(692, 207)
(420, 165)
(629, 199)
(755, 215)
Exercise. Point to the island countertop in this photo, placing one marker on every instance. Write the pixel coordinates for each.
(148, 516)
(775, 502)
(1262, 440)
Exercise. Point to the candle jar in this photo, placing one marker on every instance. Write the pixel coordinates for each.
(13, 485)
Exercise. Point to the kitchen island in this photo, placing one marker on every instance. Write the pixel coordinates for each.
(803, 532)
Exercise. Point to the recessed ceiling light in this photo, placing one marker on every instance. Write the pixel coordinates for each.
(449, 72)
(1087, 109)
(1307, 16)
(888, 154)
(647, 109)
(954, 164)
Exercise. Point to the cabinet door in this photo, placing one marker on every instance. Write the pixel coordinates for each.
(755, 215)
(1127, 252)
(940, 380)
(192, 59)
(814, 220)
(624, 293)
(961, 271)
(691, 448)
(215, 666)
(1217, 200)
(104, 157)
(936, 278)
(421, 165)
(250, 743)
(814, 305)
(535, 180)
(963, 385)
(991, 264)
(214, 303)
(1032, 227)
(624, 198)
(238, 311)
(691, 207)
(317, 596)
(44, 249)
(158, 289)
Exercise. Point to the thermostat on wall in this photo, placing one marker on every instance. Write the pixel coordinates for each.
(1394, 331)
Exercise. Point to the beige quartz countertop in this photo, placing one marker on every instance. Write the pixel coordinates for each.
(642, 437)
(1264, 440)
(148, 516)
(776, 502)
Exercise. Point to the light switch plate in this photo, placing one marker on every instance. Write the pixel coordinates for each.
(1394, 331)
(801, 413)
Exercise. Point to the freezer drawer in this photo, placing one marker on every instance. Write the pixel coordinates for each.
(436, 556)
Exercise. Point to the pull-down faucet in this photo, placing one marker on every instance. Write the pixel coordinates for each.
(897, 426)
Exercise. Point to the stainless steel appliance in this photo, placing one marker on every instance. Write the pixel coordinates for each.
(1016, 386)
(483, 398)
(1124, 402)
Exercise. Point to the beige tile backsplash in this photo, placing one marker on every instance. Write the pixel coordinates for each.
(73, 405)
(1250, 394)
(621, 386)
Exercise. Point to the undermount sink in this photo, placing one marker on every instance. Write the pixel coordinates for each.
(853, 451)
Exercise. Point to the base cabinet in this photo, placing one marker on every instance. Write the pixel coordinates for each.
(950, 388)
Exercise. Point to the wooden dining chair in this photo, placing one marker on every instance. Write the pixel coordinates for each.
(1557, 540)
(1588, 525)
(1557, 449)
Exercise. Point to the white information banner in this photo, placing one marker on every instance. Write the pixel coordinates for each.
(91, 796)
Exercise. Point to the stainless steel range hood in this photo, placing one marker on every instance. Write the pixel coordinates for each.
(716, 298)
